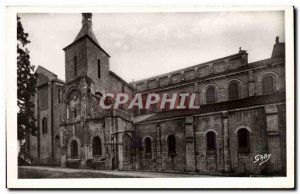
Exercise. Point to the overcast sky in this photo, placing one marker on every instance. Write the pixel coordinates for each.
(144, 45)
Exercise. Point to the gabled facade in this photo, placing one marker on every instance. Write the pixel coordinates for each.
(241, 115)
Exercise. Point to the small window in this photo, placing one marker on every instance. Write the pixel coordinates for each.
(211, 140)
(267, 85)
(233, 91)
(44, 125)
(74, 149)
(123, 88)
(210, 95)
(171, 146)
(99, 68)
(97, 146)
(98, 94)
(75, 66)
(122, 106)
(243, 141)
(148, 148)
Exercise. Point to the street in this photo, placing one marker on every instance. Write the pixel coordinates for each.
(38, 172)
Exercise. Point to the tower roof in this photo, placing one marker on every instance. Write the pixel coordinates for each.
(86, 31)
(86, 28)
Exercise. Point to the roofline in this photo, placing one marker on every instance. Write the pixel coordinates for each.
(190, 67)
(120, 79)
(45, 69)
(90, 40)
(56, 79)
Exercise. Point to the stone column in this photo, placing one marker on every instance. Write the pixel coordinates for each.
(64, 145)
(189, 146)
(251, 86)
(196, 90)
(227, 65)
(158, 148)
(273, 137)
(227, 163)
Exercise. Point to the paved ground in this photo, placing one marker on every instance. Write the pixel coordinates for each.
(56, 172)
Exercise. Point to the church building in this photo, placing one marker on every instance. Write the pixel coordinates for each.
(242, 115)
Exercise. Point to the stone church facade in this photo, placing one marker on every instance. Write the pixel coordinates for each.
(242, 114)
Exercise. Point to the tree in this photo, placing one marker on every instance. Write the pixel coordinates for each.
(25, 86)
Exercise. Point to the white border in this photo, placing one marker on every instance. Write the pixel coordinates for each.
(215, 182)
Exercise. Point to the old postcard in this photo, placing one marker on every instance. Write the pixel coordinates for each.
(194, 97)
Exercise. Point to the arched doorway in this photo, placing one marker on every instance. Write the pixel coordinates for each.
(74, 149)
(97, 152)
(127, 150)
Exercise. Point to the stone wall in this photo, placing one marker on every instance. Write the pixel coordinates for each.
(191, 143)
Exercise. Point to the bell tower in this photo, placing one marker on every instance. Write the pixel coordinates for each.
(85, 57)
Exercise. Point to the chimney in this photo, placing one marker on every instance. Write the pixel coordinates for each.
(87, 17)
(87, 20)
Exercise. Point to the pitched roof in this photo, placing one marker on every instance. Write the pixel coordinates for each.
(46, 72)
(86, 29)
(50, 76)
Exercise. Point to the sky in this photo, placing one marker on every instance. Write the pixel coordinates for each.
(142, 45)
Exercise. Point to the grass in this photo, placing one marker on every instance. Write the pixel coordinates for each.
(39, 174)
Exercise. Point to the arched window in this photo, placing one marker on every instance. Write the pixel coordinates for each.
(148, 147)
(171, 146)
(126, 147)
(98, 94)
(211, 140)
(267, 85)
(243, 141)
(233, 91)
(210, 95)
(44, 125)
(97, 146)
(74, 149)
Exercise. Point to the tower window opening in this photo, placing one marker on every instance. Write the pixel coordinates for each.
(75, 66)
(99, 68)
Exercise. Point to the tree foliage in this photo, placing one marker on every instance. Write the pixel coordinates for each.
(25, 85)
